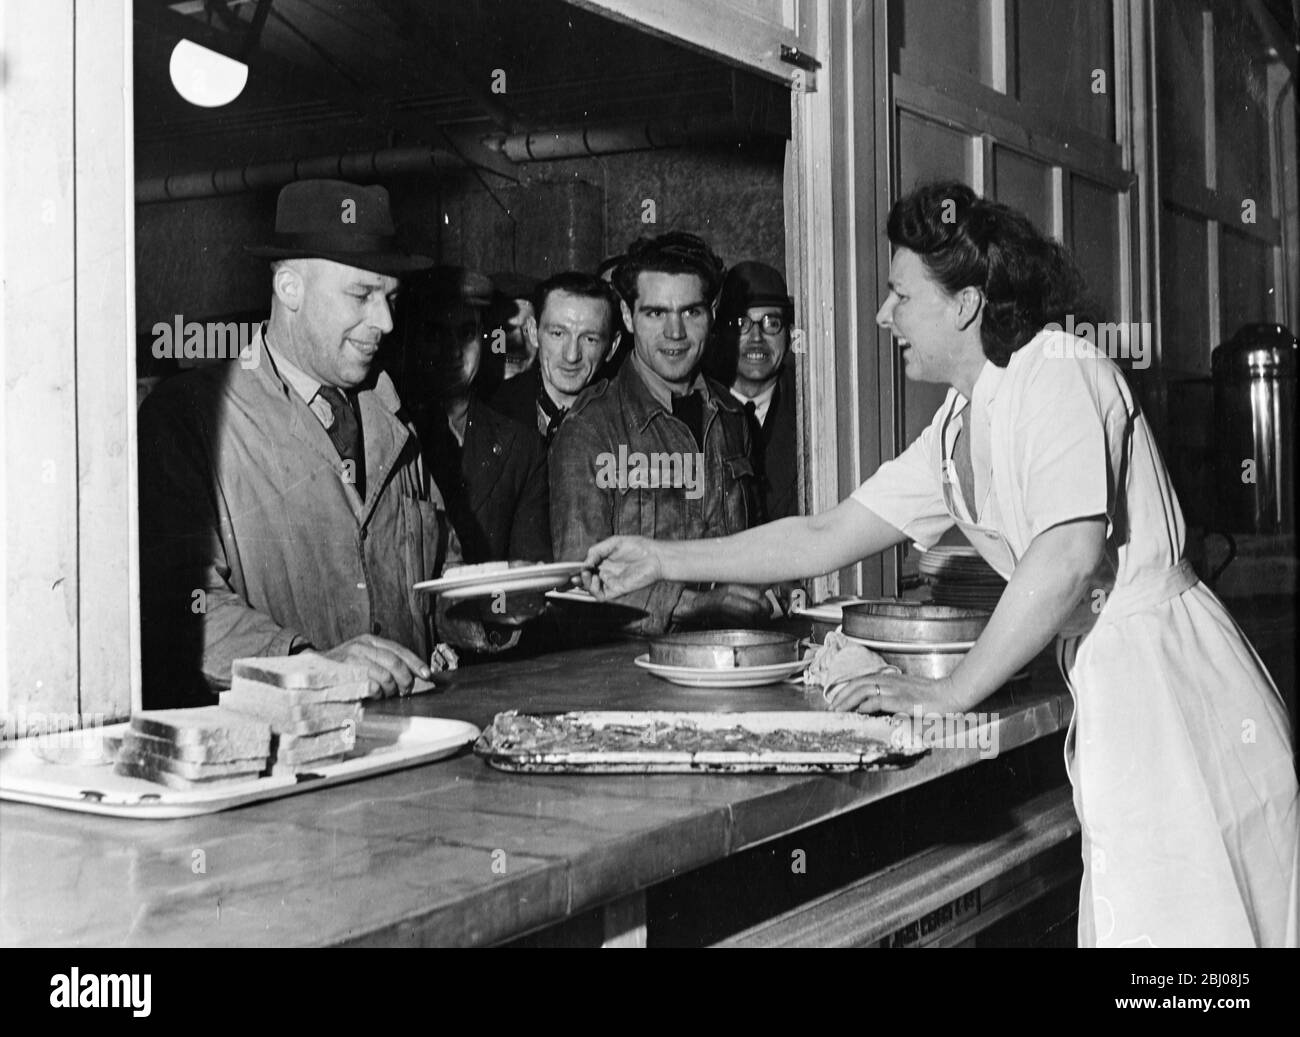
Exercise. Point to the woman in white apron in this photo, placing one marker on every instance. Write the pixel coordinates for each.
(1179, 752)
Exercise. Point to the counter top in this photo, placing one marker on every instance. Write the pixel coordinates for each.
(452, 852)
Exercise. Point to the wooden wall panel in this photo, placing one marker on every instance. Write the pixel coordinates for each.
(68, 409)
(1245, 283)
(948, 32)
(1180, 95)
(1241, 106)
(1059, 45)
(40, 493)
(1024, 183)
(105, 360)
(1095, 241)
(1184, 293)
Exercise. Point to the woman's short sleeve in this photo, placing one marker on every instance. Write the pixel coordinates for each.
(1068, 441)
(906, 491)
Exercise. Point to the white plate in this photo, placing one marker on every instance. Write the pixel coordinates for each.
(731, 677)
(911, 647)
(541, 577)
(384, 743)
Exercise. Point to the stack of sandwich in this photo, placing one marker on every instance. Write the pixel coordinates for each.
(312, 705)
(194, 748)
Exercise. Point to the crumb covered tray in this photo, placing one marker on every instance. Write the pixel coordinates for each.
(661, 742)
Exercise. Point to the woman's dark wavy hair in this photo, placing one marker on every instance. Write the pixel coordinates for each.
(1028, 280)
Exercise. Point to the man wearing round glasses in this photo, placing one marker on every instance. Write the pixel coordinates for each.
(755, 312)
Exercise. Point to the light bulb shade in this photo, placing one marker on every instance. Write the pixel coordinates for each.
(204, 77)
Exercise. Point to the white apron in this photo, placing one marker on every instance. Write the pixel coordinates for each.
(1179, 750)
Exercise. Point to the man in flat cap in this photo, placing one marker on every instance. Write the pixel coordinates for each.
(283, 503)
(750, 354)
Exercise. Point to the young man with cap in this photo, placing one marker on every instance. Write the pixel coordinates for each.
(283, 502)
(659, 450)
(755, 312)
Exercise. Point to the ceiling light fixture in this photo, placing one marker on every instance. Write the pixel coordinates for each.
(204, 77)
(208, 77)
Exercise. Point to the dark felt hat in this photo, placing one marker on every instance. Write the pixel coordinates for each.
(342, 222)
(751, 284)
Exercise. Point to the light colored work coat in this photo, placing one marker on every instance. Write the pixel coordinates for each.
(253, 540)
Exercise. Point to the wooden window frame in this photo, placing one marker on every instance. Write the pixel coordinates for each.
(70, 556)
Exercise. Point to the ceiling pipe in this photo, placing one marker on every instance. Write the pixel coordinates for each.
(542, 146)
(592, 141)
(356, 165)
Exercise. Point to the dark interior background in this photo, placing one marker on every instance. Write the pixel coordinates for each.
(329, 78)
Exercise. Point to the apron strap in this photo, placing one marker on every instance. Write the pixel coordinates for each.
(1148, 591)
(1142, 594)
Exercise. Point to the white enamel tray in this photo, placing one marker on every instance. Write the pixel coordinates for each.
(384, 743)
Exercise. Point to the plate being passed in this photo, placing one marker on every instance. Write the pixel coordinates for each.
(543, 576)
(728, 677)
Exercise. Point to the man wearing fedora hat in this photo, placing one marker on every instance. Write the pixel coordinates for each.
(284, 504)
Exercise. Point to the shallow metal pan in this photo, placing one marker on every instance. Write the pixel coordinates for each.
(724, 649)
(913, 622)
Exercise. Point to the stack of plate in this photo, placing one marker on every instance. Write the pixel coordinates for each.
(959, 576)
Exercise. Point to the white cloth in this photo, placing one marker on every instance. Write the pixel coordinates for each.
(840, 659)
(1179, 751)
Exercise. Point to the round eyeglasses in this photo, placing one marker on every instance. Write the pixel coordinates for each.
(769, 323)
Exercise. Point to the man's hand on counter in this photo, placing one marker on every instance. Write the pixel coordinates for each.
(391, 668)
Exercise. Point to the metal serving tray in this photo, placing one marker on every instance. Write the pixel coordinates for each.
(866, 743)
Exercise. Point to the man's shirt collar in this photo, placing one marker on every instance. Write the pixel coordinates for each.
(762, 402)
(660, 389)
(299, 380)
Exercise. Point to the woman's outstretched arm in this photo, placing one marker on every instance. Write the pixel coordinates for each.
(789, 549)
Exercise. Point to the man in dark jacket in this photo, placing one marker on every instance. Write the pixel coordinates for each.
(572, 336)
(491, 469)
(660, 450)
